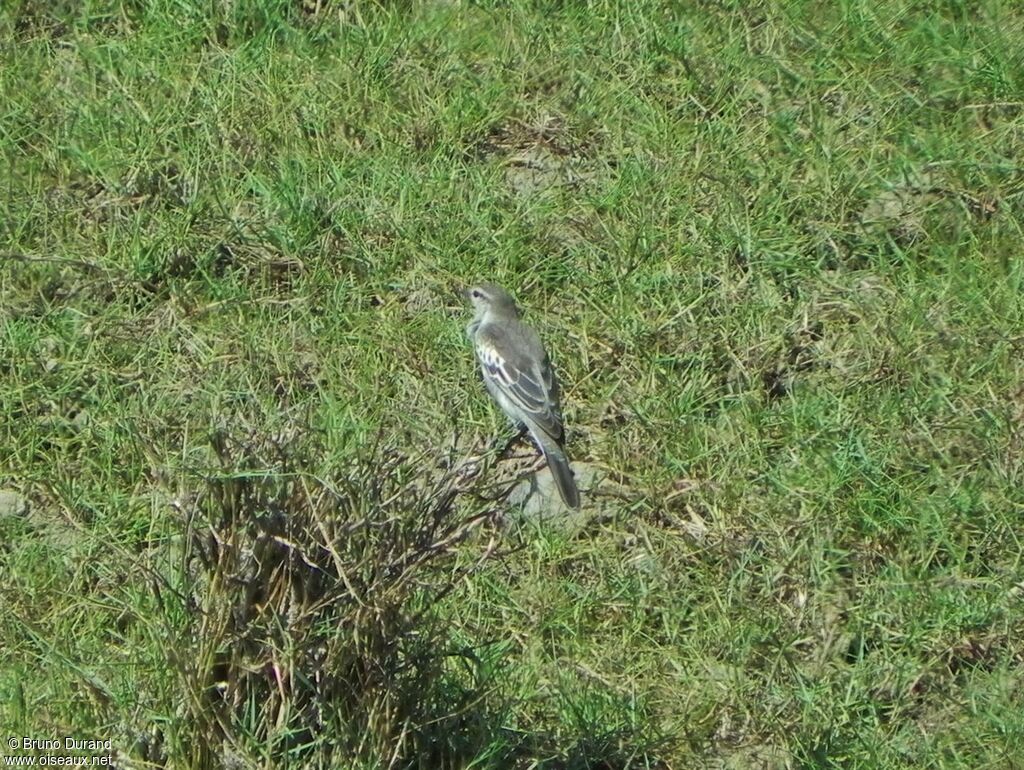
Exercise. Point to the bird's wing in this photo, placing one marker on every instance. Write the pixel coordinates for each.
(523, 374)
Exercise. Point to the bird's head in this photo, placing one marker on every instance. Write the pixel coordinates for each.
(489, 297)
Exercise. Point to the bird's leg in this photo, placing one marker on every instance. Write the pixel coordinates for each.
(503, 449)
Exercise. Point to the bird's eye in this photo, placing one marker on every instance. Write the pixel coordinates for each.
(476, 294)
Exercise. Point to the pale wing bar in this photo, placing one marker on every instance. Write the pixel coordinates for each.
(524, 390)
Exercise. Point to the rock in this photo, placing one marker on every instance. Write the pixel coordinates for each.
(536, 499)
(12, 504)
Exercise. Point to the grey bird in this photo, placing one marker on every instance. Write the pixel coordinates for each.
(519, 377)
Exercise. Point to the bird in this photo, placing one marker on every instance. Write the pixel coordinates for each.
(518, 375)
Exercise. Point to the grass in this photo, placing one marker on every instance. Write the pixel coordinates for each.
(774, 249)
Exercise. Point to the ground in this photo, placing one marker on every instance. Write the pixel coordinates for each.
(248, 511)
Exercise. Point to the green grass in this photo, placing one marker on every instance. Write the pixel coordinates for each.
(774, 249)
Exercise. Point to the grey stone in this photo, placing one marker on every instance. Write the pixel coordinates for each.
(12, 504)
(536, 499)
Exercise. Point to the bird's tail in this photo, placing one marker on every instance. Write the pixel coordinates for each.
(561, 473)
